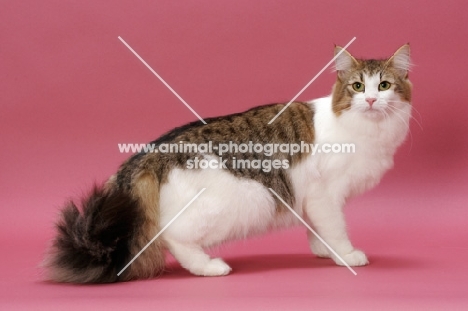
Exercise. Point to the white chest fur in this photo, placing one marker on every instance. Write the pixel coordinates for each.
(353, 171)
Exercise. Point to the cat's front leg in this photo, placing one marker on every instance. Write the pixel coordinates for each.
(328, 220)
(316, 246)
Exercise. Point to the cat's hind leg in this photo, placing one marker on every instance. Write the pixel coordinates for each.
(193, 258)
(229, 208)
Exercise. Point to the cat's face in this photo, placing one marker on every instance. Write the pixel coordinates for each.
(375, 89)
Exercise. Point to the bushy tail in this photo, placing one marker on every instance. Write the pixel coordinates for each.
(114, 225)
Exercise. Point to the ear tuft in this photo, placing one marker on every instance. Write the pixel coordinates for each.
(344, 61)
(401, 60)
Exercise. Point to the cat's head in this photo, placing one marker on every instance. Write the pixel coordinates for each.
(373, 88)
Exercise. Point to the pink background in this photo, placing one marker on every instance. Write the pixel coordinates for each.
(70, 91)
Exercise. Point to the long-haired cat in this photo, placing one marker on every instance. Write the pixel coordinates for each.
(369, 107)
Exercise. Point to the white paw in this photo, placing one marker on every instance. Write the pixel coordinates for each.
(216, 267)
(354, 259)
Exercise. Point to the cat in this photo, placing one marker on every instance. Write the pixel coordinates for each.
(370, 107)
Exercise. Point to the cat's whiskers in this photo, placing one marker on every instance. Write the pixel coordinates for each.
(355, 114)
(386, 116)
(408, 113)
(405, 122)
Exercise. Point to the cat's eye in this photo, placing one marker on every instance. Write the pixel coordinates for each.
(358, 87)
(384, 85)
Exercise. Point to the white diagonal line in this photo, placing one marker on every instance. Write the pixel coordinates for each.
(310, 82)
(162, 80)
(160, 232)
(312, 230)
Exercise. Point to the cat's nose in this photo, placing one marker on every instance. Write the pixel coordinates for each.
(371, 101)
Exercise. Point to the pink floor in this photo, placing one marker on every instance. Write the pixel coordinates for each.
(70, 92)
(416, 241)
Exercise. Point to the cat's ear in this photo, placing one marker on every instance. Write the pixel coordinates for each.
(401, 60)
(344, 62)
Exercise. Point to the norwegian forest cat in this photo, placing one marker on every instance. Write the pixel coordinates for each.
(369, 107)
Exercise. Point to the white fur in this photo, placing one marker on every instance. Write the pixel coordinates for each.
(229, 208)
(233, 208)
(376, 133)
